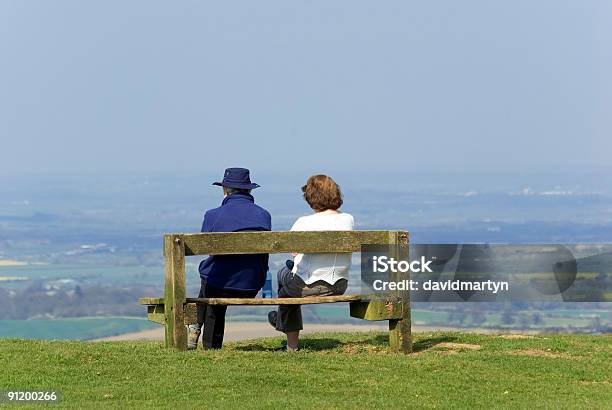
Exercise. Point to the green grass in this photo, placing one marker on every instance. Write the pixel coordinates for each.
(344, 370)
(73, 328)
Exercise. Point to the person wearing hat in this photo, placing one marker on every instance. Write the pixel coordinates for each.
(232, 276)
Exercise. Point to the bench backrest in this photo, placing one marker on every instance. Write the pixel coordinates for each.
(224, 243)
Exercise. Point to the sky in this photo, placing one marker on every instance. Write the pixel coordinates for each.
(356, 87)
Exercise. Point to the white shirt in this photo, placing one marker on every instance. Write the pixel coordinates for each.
(329, 267)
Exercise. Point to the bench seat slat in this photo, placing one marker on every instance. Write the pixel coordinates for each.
(151, 301)
(261, 301)
(275, 301)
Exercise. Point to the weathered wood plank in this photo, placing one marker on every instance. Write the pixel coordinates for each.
(226, 243)
(400, 336)
(151, 301)
(376, 310)
(260, 301)
(175, 293)
(311, 300)
(155, 313)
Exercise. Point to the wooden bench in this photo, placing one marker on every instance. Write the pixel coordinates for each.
(175, 309)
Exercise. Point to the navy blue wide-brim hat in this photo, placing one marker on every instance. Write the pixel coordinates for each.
(237, 178)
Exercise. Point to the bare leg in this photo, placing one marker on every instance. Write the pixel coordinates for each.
(292, 340)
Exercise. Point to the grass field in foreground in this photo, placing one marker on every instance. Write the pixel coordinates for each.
(337, 370)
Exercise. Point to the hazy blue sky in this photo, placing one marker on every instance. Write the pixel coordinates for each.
(305, 86)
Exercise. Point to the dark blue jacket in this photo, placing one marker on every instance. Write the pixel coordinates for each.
(237, 212)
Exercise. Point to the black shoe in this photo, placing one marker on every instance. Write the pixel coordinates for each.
(272, 316)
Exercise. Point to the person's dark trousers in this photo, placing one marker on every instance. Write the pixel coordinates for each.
(211, 318)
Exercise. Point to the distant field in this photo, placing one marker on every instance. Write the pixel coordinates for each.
(550, 319)
(333, 370)
(98, 327)
(137, 278)
(117, 275)
(11, 262)
(73, 328)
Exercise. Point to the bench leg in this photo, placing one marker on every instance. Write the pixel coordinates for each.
(400, 338)
(175, 293)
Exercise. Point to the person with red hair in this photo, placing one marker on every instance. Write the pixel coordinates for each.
(316, 274)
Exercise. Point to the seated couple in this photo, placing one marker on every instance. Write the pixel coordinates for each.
(242, 276)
